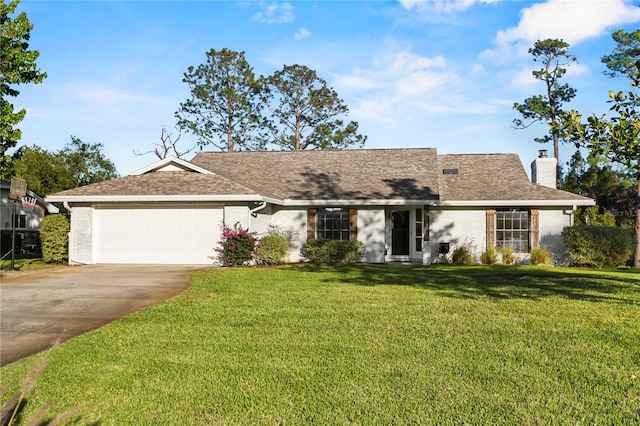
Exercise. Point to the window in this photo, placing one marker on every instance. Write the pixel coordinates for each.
(20, 220)
(512, 229)
(333, 224)
(419, 219)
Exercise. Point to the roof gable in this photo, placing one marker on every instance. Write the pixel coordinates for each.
(171, 164)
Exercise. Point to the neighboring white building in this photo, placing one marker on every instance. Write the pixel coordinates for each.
(403, 204)
(27, 222)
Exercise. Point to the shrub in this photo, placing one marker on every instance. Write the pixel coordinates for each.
(489, 256)
(507, 254)
(540, 256)
(237, 246)
(332, 251)
(598, 246)
(271, 249)
(592, 216)
(462, 256)
(54, 235)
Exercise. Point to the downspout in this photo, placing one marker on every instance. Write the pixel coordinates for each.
(571, 213)
(254, 211)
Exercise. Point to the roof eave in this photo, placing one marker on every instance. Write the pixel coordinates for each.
(359, 202)
(516, 203)
(154, 198)
(166, 161)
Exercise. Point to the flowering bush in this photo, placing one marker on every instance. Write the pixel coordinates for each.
(237, 246)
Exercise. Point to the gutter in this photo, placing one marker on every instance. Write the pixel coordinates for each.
(517, 203)
(254, 211)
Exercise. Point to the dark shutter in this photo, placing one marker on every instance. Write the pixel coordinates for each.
(535, 228)
(491, 228)
(353, 224)
(311, 223)
(425, 224)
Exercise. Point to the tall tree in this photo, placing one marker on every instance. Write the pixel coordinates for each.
(306, 113)
(596, 177)
(77, 164)
(622, 62)
(547, 108)
(17, 66)
(87, 162)
(223, 109)
(616, 137)
(46, 172)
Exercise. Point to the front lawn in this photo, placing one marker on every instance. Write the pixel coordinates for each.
(384, 344)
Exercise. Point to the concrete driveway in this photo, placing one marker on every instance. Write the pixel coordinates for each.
(37, 308)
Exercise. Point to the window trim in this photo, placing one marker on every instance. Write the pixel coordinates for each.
(313, 220)
(501, 219)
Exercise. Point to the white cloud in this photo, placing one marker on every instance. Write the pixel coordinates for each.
(569, 20)
(275, 13)
(302, 33)
(401, 86)
(440, 7)
(97, 94)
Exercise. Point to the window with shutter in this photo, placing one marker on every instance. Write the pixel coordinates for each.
(332, 223)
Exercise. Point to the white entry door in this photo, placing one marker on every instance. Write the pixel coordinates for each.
(405, 229)
(156, 235)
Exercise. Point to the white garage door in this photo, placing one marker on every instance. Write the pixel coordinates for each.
(156, 235)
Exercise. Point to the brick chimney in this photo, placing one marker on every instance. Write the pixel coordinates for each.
(543, 170)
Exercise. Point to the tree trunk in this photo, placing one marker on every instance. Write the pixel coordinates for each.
(636, 255)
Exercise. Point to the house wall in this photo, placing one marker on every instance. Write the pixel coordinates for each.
(294, 222)
(552, 222)
(237, 214)
(261, 220)
(371, 231)
(457, 227)
(81, 236)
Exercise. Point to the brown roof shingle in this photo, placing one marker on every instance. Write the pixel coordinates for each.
(413, 175)
(163, 183)
(491, 177)
(367, 174)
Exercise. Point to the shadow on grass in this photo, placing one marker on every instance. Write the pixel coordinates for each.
(498, 282)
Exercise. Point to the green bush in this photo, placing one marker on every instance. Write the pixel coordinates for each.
(592, 216)
(489, 256)
(54, 235)
(540, 256)
(271, 249)
(462, 256)
(598, 246)
(507, 254)
(332, 251)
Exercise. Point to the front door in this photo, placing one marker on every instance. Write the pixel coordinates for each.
(400, 232)
(405, 229)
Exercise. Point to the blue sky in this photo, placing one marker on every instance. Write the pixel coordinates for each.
(441, 74)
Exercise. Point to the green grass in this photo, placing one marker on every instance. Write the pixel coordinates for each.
(26, 264)
(382, 344)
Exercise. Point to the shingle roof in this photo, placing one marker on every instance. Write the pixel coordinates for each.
(412, 175)
(491, 177)
(366, 174)
(162, 183)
